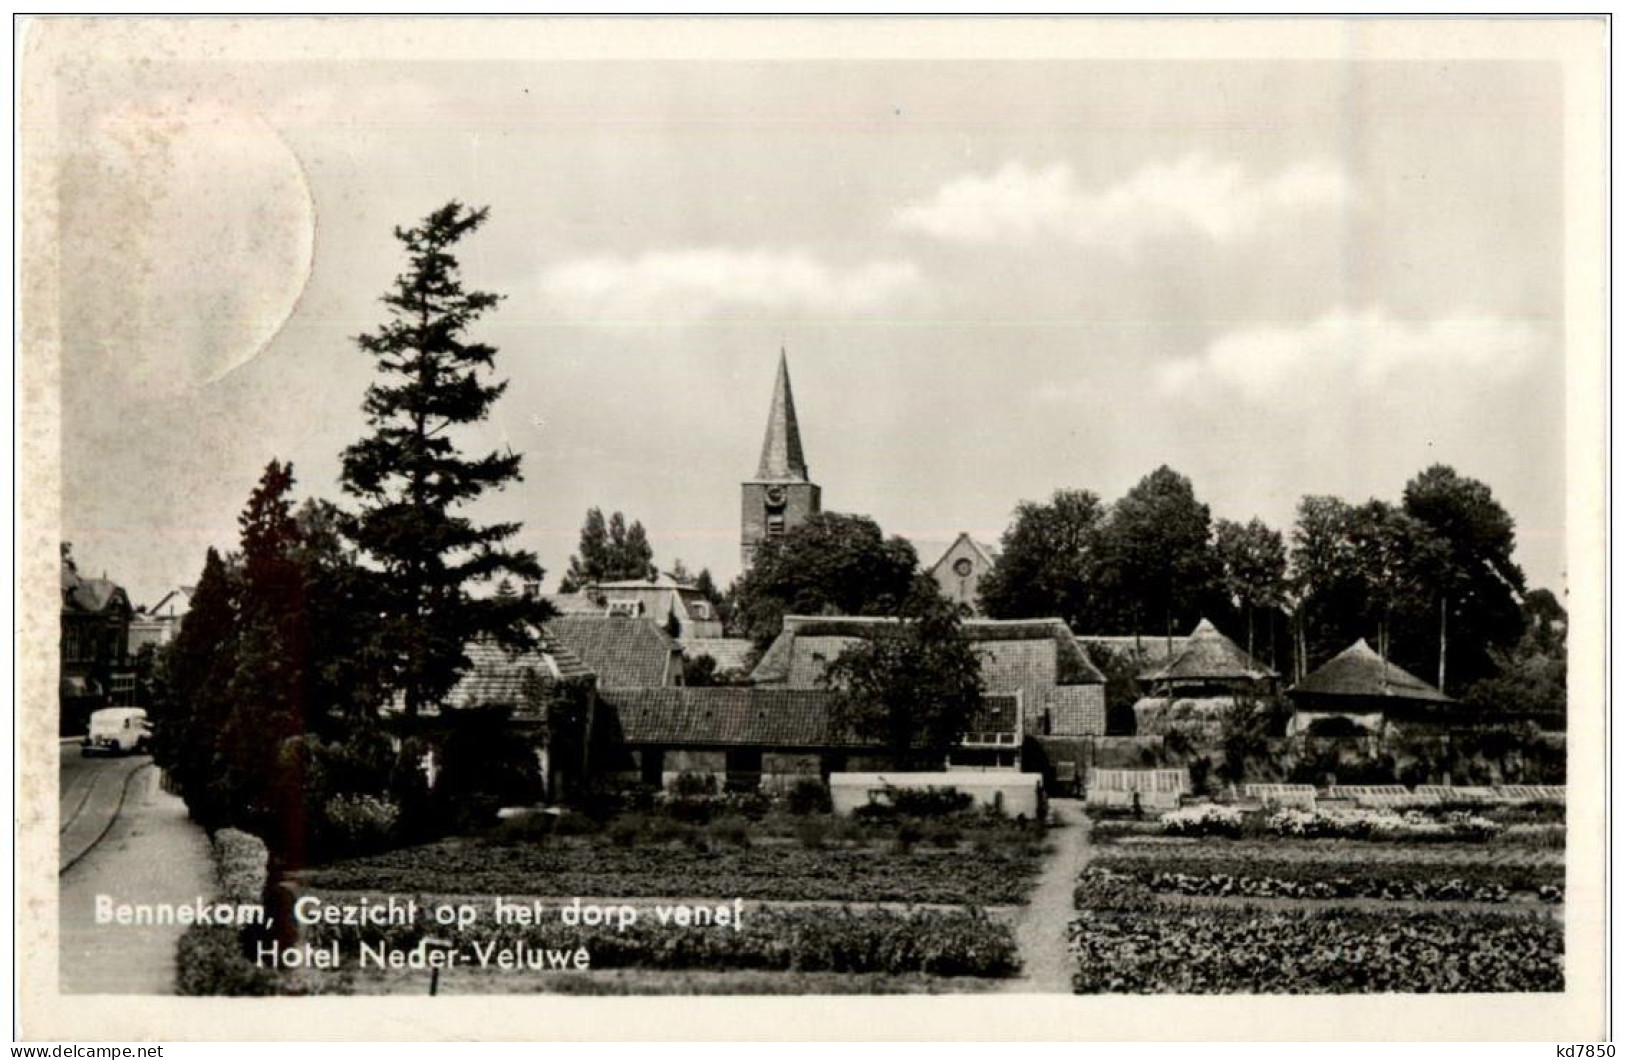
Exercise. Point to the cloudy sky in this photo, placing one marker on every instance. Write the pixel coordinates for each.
(993, 279)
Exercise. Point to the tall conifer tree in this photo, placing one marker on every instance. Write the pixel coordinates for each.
(414, 485)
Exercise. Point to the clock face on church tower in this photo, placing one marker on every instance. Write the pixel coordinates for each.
(776, 496)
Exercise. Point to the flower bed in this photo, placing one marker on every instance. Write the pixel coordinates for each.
(976, 875)
(1248, 950)
(1411, 825)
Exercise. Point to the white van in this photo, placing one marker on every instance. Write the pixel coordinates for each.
(117, 731)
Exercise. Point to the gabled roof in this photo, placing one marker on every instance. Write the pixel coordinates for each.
(1210, 655)
(1359, 672)
(661, 580)
(624, 652)
(995, 639)
(733, 716)
(91, 595)
(983, 552)
(782, 459)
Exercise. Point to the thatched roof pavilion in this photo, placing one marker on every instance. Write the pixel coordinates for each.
(1360, 680)
(1209, 659)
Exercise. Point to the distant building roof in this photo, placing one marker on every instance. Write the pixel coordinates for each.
(782, 457)
(733, 654)
(1209, 655)
(986, 553)
(1360, 673)
(575, 604)
(624, 652)
(734, 716)
(90, 595)
(807, 644)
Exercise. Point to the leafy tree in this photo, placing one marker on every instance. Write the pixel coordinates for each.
(609, 551)
(1158, 562)
(1046, 565)
(720, 602)
(914, 685)
(1390, 551)
(832, 564)
(1324, 583)
(412, 482)
(1531, 678)
(1470, 575)
(1252, 561)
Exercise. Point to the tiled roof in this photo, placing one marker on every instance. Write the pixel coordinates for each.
(756, 717)
(733, 654)
(1359, 672)
(996, 713)
(1029, 654)
(1209, 655)
(502, 677)
(986, 553)
(624, 652)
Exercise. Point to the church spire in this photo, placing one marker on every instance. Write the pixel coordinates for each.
(782, 459)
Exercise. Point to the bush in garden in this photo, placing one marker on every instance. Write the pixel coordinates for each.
(808, 796)
(690, 785)
(359, 823)
(209, 960)
(240, 866)
(732, 831)
(1412, 825)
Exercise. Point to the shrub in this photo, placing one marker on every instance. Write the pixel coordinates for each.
(209, 960)
(694, 785)
(360, 823)
(1413, 825)
(946, 836)
(808, 796)
(239, 866)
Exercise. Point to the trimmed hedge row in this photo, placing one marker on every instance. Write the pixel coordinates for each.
(939, 943)
(210, 959)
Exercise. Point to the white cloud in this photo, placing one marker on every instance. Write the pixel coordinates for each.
(700, 282)
(1364, 351)
(1195, 194)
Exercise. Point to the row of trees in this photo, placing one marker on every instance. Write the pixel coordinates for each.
(1430, 581)
(267, 710)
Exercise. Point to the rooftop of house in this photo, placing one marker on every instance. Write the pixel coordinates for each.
(499, 676)
(731, 716)
(90, 595)
(807, 644)
(988, 554)
(624, 652)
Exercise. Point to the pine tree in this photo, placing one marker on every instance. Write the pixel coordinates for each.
(413, 483)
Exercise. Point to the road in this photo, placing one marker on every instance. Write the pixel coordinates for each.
(124, 837)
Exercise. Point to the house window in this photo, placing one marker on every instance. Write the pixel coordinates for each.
(701, 609)
(123, 690)
(626, 608)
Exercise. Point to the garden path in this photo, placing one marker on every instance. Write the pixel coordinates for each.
(1046, 967)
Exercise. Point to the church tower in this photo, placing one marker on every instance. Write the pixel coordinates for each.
(781, 496)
